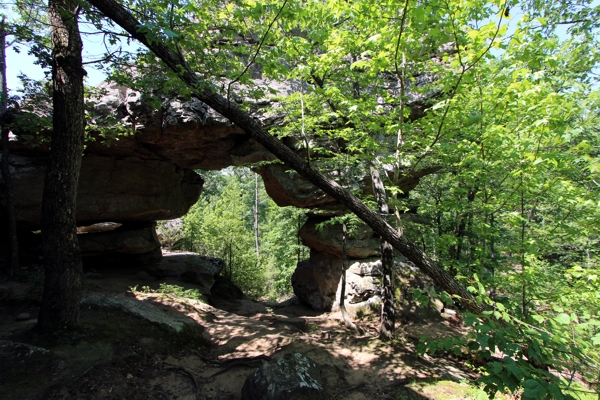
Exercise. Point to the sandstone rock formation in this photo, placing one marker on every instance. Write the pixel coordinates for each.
(110, 189)
(128, 243)
(317, 281)
(317, 284)
(175, 324)
(146, 174)
(325, 237)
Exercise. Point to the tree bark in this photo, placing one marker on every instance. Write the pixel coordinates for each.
(13, 262)
(203, 91)
(388, 312)
(256, 244)
(62, 259)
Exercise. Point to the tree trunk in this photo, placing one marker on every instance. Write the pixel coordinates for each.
(13, 262)
(388, 312)
(460, 230)
(256, 244)
(62, 259)
(203, 91)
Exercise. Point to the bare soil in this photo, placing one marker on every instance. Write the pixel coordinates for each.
(115, 355)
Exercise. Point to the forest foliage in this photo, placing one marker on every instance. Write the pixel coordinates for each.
(501, 97)
(221, 224)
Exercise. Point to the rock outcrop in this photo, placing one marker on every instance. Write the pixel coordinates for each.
(172, 323)
(317, 284)
(129, 243)
(110, 189)
(190, 268)
(317, 281)
(326, 237)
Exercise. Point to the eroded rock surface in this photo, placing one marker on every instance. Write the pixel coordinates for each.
(188, 267)
(177, 324)
(288, 188)
(128, 243)
(292, 377)
(324, 237)
(317, 283)
(110, 189)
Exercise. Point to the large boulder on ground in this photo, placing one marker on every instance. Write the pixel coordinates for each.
(190, 268)
(292, 377)
(110, 189)
(177, 324)
(316, 280)
(15, 354)
(317, 283)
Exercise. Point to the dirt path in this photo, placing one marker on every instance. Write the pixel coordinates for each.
(117, 356)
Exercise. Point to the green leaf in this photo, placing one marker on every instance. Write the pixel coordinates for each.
(563, 319)
(496, 367)
(515, 370)
(170, 34)
(538, 318)
(533, 389)
(555, 391)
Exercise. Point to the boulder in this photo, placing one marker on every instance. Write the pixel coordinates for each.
(315, 281)
(317, 284)
(188, 267)
(110, 189)
(176, 324)
(292, 377)
(22, 357)
(225, 289)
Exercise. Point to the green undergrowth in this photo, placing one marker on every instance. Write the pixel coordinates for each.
(442, 390)
(175, 290)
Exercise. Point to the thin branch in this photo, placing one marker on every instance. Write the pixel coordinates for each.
(108, 57)
(454, 90)
(404, 12)
(256, 52)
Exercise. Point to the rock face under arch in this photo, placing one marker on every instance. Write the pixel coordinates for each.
(110, 189)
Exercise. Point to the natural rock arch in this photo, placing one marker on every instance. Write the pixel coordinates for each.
(148, 174)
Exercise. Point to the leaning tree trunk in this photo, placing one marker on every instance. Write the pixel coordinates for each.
(62, 259)
(202, 90)
(13, 262)
(388, 312)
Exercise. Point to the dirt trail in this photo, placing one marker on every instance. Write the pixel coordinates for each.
(122, 357)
